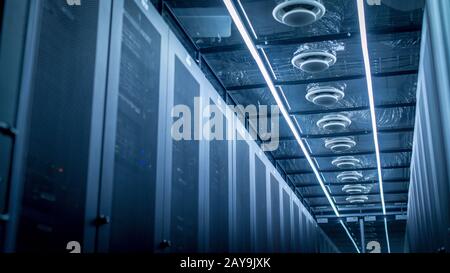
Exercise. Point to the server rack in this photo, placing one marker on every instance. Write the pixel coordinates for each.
(262, 191)
(242, 203)
(184, 189)
(275, 214)
(308, 232)
(219, 191)
(13, 34)
(296, 225)
(135, 129)
(286, 230)
(428, 213)
(48, 215)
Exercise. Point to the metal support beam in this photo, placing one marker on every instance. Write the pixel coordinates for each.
(348, 109)
(353, 109)
(393, 151)
(312, 184)
(318, 210)
(346, 195)
(363, 240)
(351, 133)
(323, 80)
(381, 219)
(362, 205)
(390, 217)
(349, 170)
(270, 43)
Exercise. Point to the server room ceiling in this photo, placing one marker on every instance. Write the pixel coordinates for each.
(394, 36)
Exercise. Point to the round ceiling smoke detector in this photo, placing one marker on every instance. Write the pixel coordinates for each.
(355, 189)
(349, 177)
(346, 162)
(314, 61)
(334, 122)
(340, 144)
(324, 95)
(357, 199)
(299, 13)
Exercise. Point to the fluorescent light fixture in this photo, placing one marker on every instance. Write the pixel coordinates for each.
(349, 235)
(387, 235)
(284, 96)
(365, 50)
(268, 63)
(248, 20)
(255, 54)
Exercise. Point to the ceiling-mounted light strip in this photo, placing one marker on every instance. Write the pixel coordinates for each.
(248, 20)
(268, 63)
(255, 54)
(365, 50)
(387, 235)
(349, 235)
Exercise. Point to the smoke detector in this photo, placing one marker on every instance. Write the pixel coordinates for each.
(357, 199)
(355, 189)
(334, 122)
(314, 61)
(346, 162)
(340, 144)
(324, 95)
(299, 13)
(349, 177)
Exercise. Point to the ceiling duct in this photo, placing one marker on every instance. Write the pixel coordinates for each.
(350, 177)
(334, 122)
(211, 22)
(324, 95)
(346, 162)
(357, 199)
(299, 13)
(313, 61)
(356, 189)
(340, 144)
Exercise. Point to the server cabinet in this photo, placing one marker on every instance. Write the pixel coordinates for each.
(67, 72)
(183, 211)
(296, 225)
(134, 130)
(261, 203)
(13, 29)
(275, 213)
(310, 234)
(242, 238)
(305, 239)
(315, 236)
(287, 221)
(218, 201)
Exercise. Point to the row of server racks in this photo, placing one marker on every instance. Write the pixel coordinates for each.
(87, 153)
(428, 226)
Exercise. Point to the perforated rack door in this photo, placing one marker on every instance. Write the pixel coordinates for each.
(261, 207)
(63, 137)
(133, 150)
